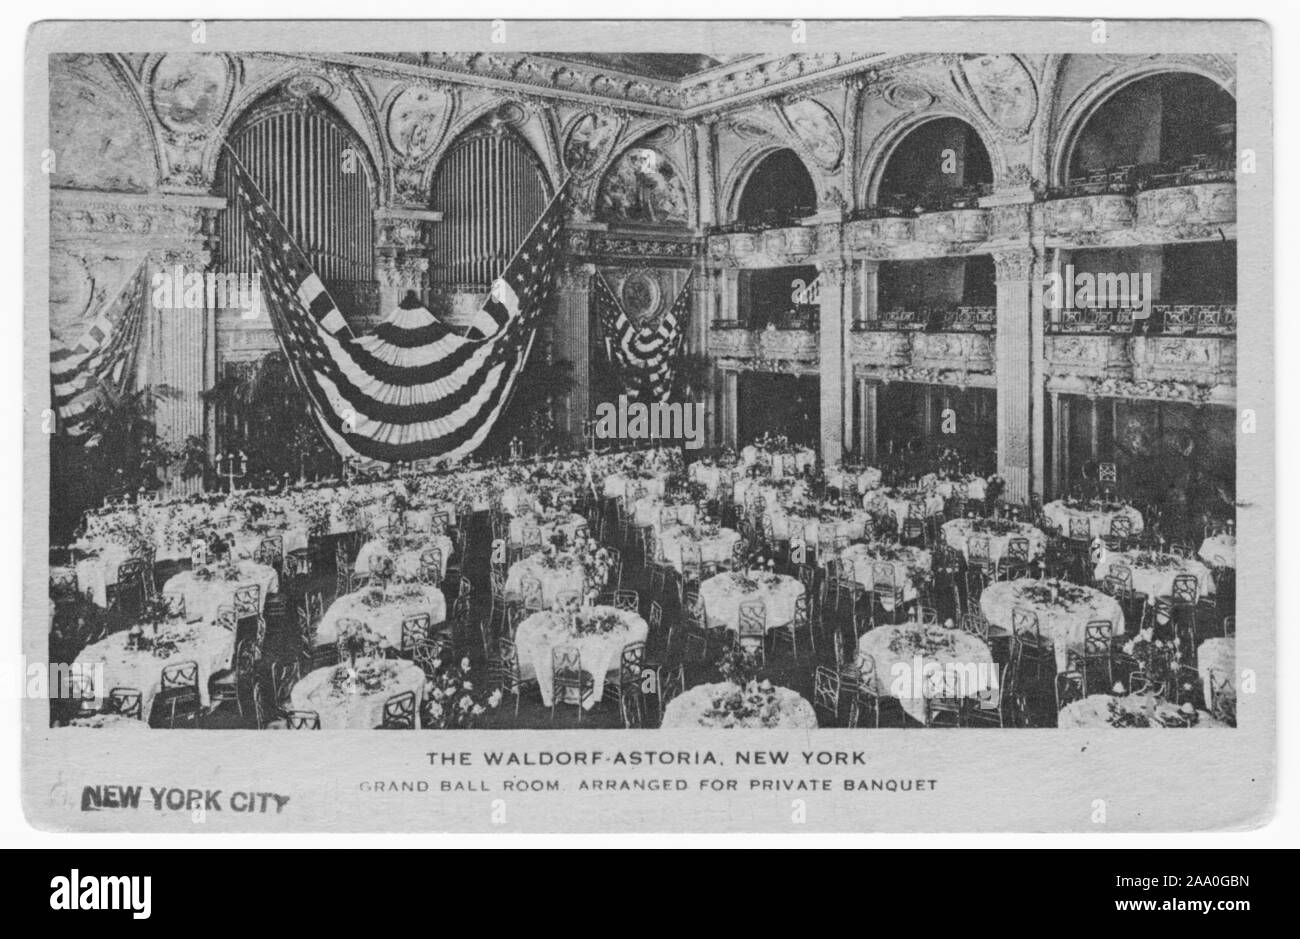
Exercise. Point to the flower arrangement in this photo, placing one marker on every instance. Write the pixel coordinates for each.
(595, 621)
(740, 664)
(927, 642)
(995, 526)
(358, 640)
(1156, 657)
(1058, 593)
(753, 704)
(451, 700)
(367, 678)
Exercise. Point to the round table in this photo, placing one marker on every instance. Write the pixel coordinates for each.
(976, 487)
(1219, 550)
(854, 480)
(760, 707)
(710, 475)
(204, 593)
(959, 531)
(910, 564)
(916, 663)
(899, 502)
(650, 509)
(1099, 516)
(548, 524)
(247, 541)
(601, 652)
(568, 576)
(1063, 621)
(97, 572)
(1154, 573)
(789, 526)
(723, 594)
(714, 548)
(1219, 655)
(362, 709)
(800, 457)
(619, 485)
(406, 561)
(1105, 710)
(383, 609)
(212, 647)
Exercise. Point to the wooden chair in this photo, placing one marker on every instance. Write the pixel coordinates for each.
(505, 673)
(128, 702)
(302, 720)
(399, 712)
(178, 695)
(568, 677)
(751, 627)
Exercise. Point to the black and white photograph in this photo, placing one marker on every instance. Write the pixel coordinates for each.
(828, 400)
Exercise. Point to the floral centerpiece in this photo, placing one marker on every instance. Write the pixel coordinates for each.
(756, 703)
(1155, 657)
(1057, 593)
(451, 699)
(926, 642)
(357, 640)
(995, 526)
(368, 677)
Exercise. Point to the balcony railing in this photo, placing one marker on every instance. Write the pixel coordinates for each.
(910, 205)
(1168, 319)
(805, 318)
(971, 319)
(1135, 177)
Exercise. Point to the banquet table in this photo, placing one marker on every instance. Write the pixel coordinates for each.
(548, 523)
(405, 560)
(909, 564)
(1219, 550)
(204, 593)
(852, 480)
(958, 532)
(341, 709)
(1062, 621)
(211, 646)
(620, 485)
(248, 540)
(975, 487)
(601, 653)
(710, 475)
(917, 663)
(789, 525)
(899, 502)
(1217, 654)
(722, 595)
(1154, 573)
(109, 721)
(1099, 516)
(98, 571)
(1143, 711)
(383, 609)
(770, 707)
(801, 458)
(715, 547)
(647, 511)
(568, 576)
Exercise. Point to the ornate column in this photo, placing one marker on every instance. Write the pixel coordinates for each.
(573, 341)
(730, 394)
(832, 348)
(1060, 446)
(868, 403)
(1015, 272)
(866, 290)
(706, 194)
(401, 253)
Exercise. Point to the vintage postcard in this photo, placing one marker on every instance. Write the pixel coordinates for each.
(648, 426)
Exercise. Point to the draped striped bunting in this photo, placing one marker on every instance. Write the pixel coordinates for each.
(104, 356)
(413, 389)
(644, 355)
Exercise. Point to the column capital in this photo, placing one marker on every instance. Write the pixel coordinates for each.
(1014, 266)
(832, 269)
(576, 277)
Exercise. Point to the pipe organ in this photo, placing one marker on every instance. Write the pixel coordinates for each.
(311, 169)
(491, 192)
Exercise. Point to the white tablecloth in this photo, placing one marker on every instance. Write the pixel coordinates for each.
(340, 710)
(858, 481)
(399, 602)
(911, 562)
(209, 645)
(802, 459)
(1099, 518)
(1062, 624)
(203, 597)
(1095, 711)
(976, 487)
(247, 542)
(723, 594)
(1220, 550)
(691, 710)
(715, 549)
(1153, 574)
(900, 504)
(601, 654)
(813, 530)
(618, 485)
(548, 524)
(710, 476)
(958, 531)
(406, 562)
(96, 573)
(555, 581)
(916, 663)
(1220, 655)
(648, 511)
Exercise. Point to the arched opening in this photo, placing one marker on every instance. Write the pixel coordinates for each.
(313, 170)
(491, 190)
(942, 164)
(778, 193)
(1168, 129)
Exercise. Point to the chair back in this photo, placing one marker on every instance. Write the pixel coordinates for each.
(302, 720)
(399, 712)
(627, 600)
(128, 702)
(1069, 688)
(753, 619)
(180, 675)
(1024, 625)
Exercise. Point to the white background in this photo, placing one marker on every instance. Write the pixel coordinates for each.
(1283, 831)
